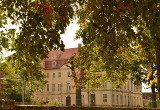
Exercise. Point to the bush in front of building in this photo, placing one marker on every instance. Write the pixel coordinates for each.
(49, 103)
(54, 103)
(158, 103)
(38, 102)
(149, 103)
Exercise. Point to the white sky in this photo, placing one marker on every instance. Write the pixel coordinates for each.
(68, 37)
(145, 90)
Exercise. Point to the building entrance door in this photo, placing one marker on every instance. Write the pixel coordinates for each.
(93, 100)
(68, 101)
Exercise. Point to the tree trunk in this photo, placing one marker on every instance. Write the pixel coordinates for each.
(78, 96)
(154, 103)
(153, 87)
(158, 56)
(158, 67)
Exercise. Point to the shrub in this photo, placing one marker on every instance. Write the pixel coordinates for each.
(54, 103)
(38, 102)
(149, 104)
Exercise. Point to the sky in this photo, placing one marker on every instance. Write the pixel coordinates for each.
(68, 39)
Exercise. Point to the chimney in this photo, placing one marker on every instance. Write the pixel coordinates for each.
(79, 45)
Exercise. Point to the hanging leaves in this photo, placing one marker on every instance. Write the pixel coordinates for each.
(40, 24)
(111, 30)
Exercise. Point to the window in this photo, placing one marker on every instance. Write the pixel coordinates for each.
(134, 101)
(117, 99)
(128, 85)
(53, 87)
(104, 84)
(125, 100)
(68, 86)
(68, 74)
(131, 101)
(47, 87)
(54, 63)
(82, 99)
(47, 75)
(53, 75)
(104, 97)
(113, 99)
(59, 87)
(59, 74)
(121, 98)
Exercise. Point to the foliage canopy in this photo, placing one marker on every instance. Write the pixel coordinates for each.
(111, 30)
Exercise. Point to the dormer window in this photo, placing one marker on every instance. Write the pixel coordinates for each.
(54, 63)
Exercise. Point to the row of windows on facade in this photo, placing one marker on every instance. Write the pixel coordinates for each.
(126, 87)
(132, 87)
(118, 98)
(68, 87)
(59, 75)
(130, 100)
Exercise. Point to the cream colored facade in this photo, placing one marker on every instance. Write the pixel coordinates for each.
(126, 96)
(60, 87)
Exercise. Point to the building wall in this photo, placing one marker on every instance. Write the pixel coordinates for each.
(127, 95)
(116, 97)
(58, 77)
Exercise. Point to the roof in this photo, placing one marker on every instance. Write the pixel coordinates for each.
(59, 57)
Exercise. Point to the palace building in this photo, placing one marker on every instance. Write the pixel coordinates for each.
(60, 86)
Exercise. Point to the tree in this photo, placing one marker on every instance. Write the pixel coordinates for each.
(79, 78)
(40, 24)
(110, 30)
(15, 85)
(12, 89)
